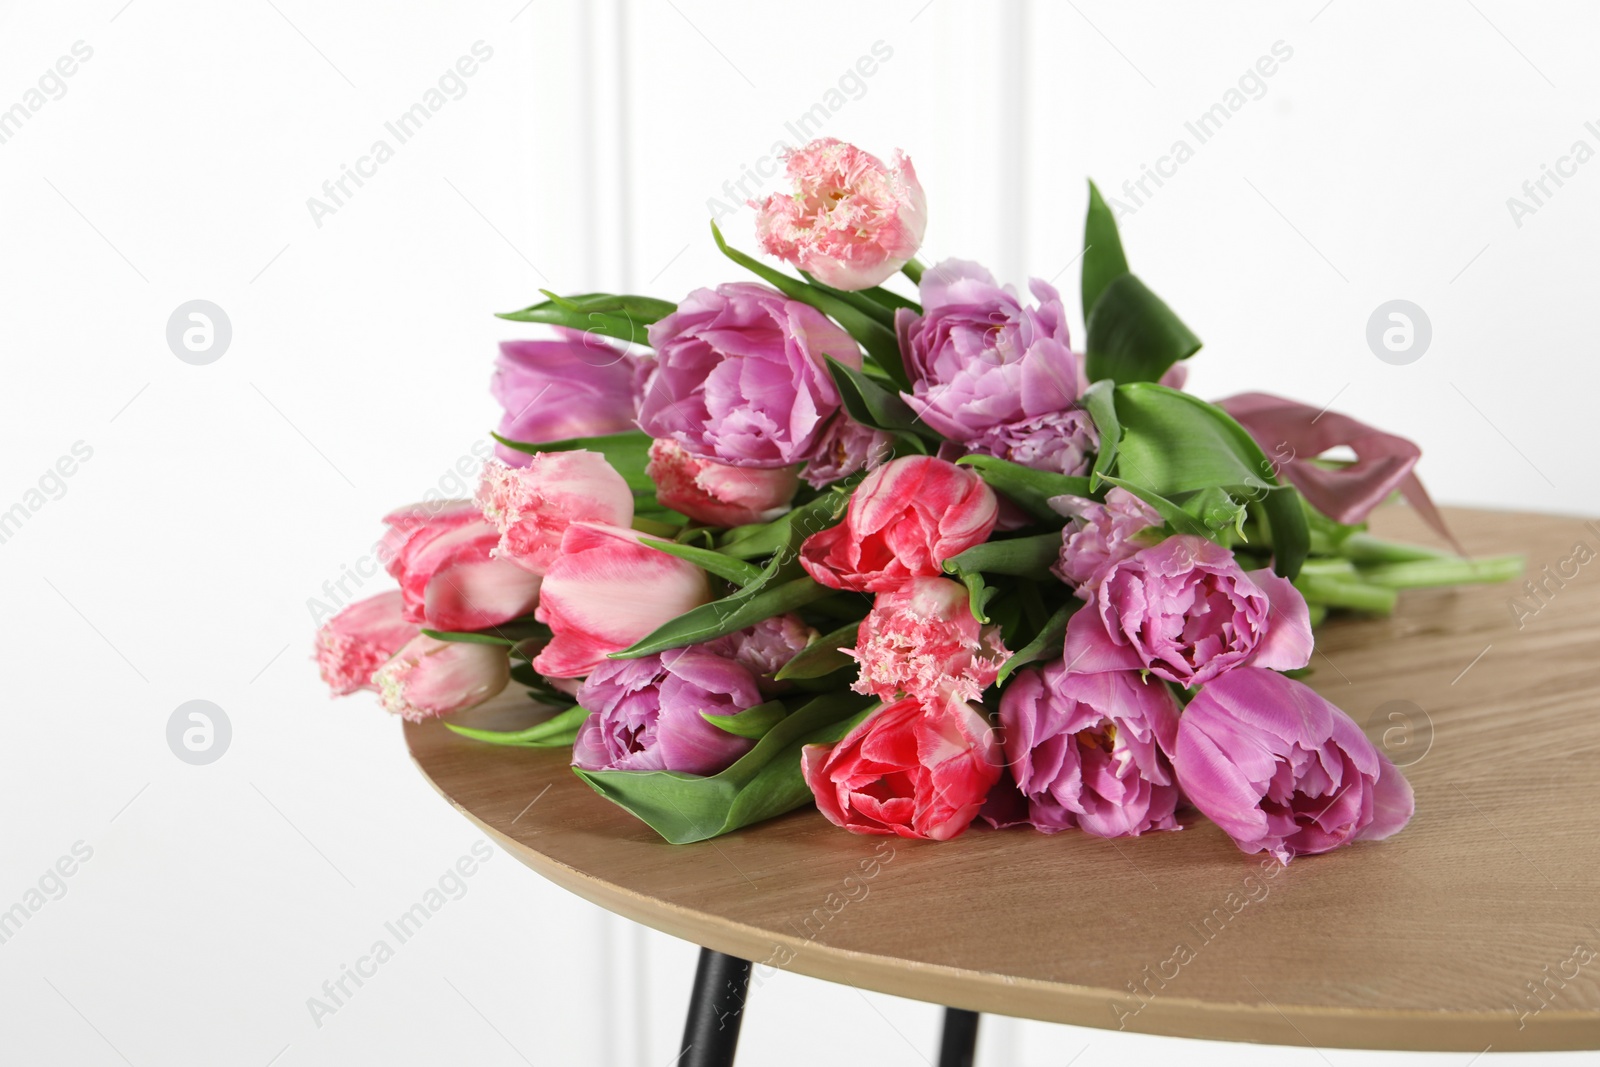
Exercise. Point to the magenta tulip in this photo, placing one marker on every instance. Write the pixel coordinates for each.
(768, 646)
(1100, 535)
(1283, 771)
(846, 447)
(992, 374)
(648, 714)
(1185, 611)
(578, 386)
(1092, 750)
(741, 376)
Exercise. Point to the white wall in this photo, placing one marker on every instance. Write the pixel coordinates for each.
(178, 561)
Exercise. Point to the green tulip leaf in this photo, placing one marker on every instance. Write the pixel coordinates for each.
(1133, 335)
(734, 570)
(719, 618)
(872, 405)
(628, 452)
(1174, 444)
(752, 722)
(625, 318)
(559, 730)
(821, 657)
(1045, 645)
(1031, 489)
(1103, 258)
(764, 782)
(1025, 557)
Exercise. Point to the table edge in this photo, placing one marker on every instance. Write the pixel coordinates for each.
(1060, 1002)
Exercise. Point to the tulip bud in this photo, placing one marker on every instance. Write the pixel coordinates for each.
(532, 506)
(604, 592)
(1283, 771)
(717, 494)
(357, 641)
(441, 554)
(578, 386)
(428, 678)
(905, 519)
(851, 221)
(922, 641)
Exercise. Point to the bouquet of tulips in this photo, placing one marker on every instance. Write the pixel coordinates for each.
(911, 557)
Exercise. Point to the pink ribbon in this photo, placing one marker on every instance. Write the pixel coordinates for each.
(1292, 434)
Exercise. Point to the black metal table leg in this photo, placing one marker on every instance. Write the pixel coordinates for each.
(716, 1007)
(959, 1045)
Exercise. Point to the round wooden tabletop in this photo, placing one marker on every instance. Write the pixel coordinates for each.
(1477, 926)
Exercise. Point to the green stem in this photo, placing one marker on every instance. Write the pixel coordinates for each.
(913, 270)
(1346, 593)
(657, 529)
(1364, 548)
(1417, 574)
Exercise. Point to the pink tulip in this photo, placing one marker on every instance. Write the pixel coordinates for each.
(1283, 771)
(442, 556)
(905, 519)
(429, 678)
(851, 221)
(357, 641)
(1100, 535)
(717, 494)
(578, 386)
(907, 769)
(532, 506)
(1293, 434)
(922, 641)
(1092, 750)
(1185, 611)
(604, 592)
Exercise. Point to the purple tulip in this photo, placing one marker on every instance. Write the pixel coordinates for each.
(1061, 441)
(740, 376)
(985, 369)
(1099, 535)
(646, 713)
(1283, 771)
(579, 386)
(1091, 750)
(846, 447)
(1185, 611)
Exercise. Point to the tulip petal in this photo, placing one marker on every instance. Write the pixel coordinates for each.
(1288, 642)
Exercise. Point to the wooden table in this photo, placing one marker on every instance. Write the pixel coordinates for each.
(1477, 926)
